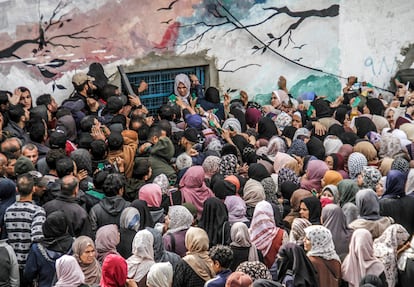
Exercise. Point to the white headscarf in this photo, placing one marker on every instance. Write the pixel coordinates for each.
(68, 272)
(142, 255)
(322, 244)
(182, 78)
(160, 275)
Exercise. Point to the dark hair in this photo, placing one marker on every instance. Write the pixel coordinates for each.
(68, 188)
(63, 112)
(98, 149)
(115, 141)
(141, 167)
(165, 126)
(221, 253)
(16, 112)
(166, 112)
(119, 119)
(107, 91)
(113, 183)
(86, 123)
(99, 178)
(37, 130)
(4, 97)
(143, 132)
(52, 156)
(44, 100)
(154, 131)
(25, 184)
(85, 140)
(64, 166)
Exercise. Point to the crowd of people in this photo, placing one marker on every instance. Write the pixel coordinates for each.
(210, 191)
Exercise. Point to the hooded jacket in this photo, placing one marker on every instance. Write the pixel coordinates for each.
(107, 211)
(161, 154)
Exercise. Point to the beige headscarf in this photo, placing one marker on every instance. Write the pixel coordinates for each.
(91, 271)
(253, 192)
(197, 244)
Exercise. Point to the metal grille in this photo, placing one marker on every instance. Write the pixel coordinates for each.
(161, 84)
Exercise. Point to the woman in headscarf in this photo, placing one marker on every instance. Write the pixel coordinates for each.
(68, 272)
(295, 201)
(210, 101)
(236, 208)
(160, 275)
(360, 260)
(363, 125)
(314, 173)
(144, 213)
(253, 193)
(40, 264)
(182, 85)
(259, 173)
(321, 252)
(394, 203)
(386, 250)
(265, 234)
(310, 209)
(84, 251)
(115, 272)
(295, 268)
(369, 214)
(239, 279)
(406, 264)
(193, 188)
(282, 160)
(129, 226)
(347, 189)
(329, 194)
(107, 238)
(178, 221)
(196, 267)
(243, 249)
(142, 257)
(255, 269)
(369, 151)
(160, 254)
(214, 220)
(266, 128)
(334, 219)
(151, 193)
(356, 162)
(297, 233)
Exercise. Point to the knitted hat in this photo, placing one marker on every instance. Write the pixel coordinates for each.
(23, 165)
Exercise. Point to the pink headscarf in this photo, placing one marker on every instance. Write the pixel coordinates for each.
(314, 173)
(281, 160)
(193, 188)
(151, 193)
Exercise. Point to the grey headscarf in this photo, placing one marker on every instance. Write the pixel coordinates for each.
(180, 218)
(130, 219)
(368, 204)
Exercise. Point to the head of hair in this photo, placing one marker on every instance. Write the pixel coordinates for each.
(16, 112)
(141, 167)
(29, 146)
(154, 131)
(98, 149)
(165, 126)
(64, 166)
(25, 184)
(4, 97)
(62, 112)
(143, 132)
(108, 90)
(115, 141)
(223, 254)
(37, 130)
(86, 123)
(166, 112)
(99, 179)
(85, 140)
(44, 100)
(52, 156)
(113, 184)
(119, 119)
(68, 185)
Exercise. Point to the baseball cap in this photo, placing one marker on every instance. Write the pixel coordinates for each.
(80, 78)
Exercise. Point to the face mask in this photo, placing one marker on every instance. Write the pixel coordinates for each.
(325, 201)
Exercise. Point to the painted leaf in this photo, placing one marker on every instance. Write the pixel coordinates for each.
(264, 50)
(270, 35)
(55, 63)
(46, 73)
(255, 47)
(60, 87)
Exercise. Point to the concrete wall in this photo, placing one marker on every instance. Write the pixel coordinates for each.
(247, 44)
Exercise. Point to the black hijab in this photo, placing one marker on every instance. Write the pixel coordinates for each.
(315, 209)
(257, 171)
(266, 128)
(214, 220)
(146, 218)
(363, 126)
(221, 187)
(55, 232)
(293, 259)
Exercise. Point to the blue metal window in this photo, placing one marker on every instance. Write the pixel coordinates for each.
(161, 84)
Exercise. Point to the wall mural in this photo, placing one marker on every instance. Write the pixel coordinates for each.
(254, 41)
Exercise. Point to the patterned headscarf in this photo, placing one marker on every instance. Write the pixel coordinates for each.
(163, 182)
(356, 162)
(211, 165)
(255, 269)
(385, 249)
(180, 218)
(322, 244)
(401, 164)
(228, 164)
(371, 176)
(297, 233)
(286, 174)
(299, 148)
